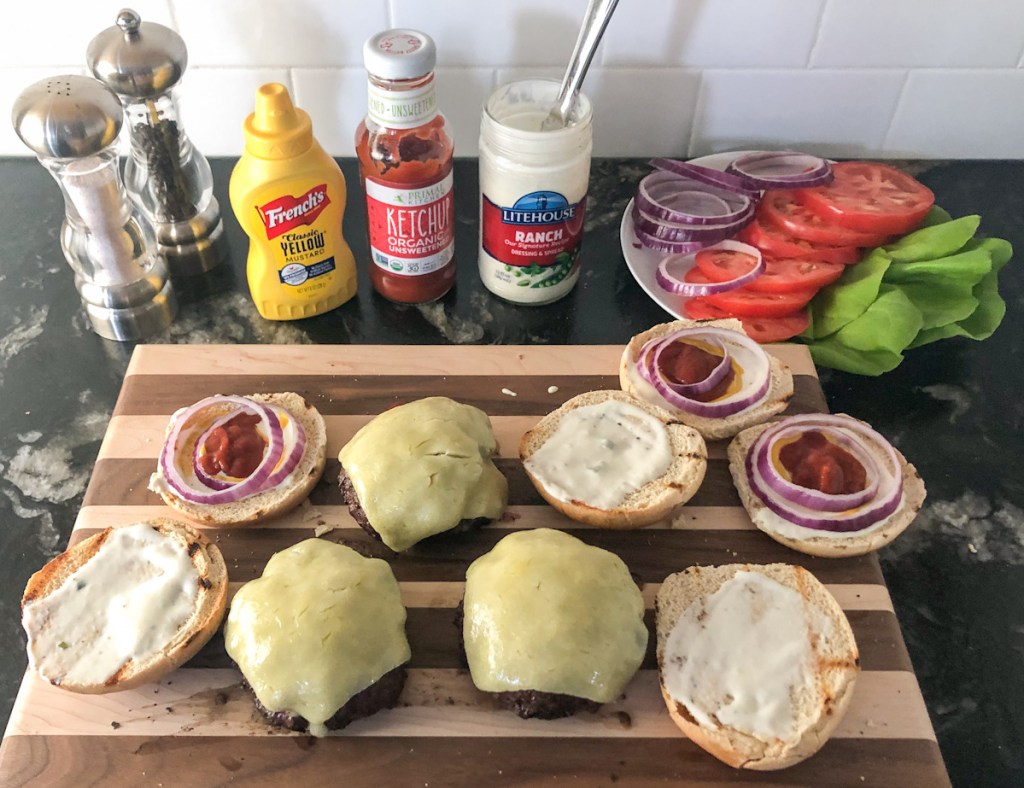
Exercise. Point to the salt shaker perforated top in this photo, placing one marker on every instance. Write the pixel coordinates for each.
(165, 175)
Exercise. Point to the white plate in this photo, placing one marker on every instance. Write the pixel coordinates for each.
(642, 262)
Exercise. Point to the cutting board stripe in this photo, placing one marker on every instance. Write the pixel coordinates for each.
(496, 761)
(435, 702)
(123, 482)
(308, 518)
(445, 558)
(157, 395)
(141, 437)
(403, 360)
(435, 641)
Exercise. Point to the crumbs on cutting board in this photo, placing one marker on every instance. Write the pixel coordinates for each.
(509, 393)
(552, 389)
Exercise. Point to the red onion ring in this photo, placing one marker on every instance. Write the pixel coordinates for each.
(667, 247)
(682, 233)
(673, 284)
(659, 193)
(815, 509)
(747, 355)
(266, 475)
(707, 175)
(716, 376)
(781, 170)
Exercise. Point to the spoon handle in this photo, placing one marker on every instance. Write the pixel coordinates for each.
(599, 12)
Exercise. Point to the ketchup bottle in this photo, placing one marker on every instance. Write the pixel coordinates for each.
(405, 162)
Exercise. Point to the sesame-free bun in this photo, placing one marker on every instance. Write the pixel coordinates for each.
(806, 540)
(656, 499)
(835, 666)
(269, 503)
(208, 606)
(779, 394)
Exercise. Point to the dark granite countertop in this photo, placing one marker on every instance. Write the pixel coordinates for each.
(955, 408)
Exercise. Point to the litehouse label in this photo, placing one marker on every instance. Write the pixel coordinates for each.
(540, 229)
(285, 213)
(411, 230)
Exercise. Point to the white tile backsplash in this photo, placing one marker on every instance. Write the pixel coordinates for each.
(929, 78)
(720, 33)
(61, 33)
(831, 113)
(960, 114)
(928, 33)
(278, 32)
(215, 102)
(496, 32)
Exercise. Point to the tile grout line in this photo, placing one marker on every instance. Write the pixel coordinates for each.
(896, 110)
(172, 11)
(698, 107)
(817, 35)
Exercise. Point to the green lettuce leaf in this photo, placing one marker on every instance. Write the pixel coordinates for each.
(848, 297)
(830, 352)
(936, 216)
(930, 243)
(968, 267)
(941, 301)
(889, 324)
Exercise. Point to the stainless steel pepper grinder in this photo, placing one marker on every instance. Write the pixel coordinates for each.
(71, 123)
(165, 174)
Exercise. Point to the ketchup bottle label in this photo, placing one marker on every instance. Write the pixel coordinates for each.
(538, 230)
(411, 230)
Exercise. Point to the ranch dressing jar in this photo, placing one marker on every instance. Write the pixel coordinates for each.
(533, 191)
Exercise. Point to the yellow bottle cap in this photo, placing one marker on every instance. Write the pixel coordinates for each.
(277, 129)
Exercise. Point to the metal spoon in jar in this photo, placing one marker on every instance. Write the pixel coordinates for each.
(599, 12)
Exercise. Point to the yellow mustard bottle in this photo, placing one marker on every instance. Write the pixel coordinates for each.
(289, 196)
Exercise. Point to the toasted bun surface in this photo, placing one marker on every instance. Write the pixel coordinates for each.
(779, 394)
(806, 540)
(208, 606)
(835, 667)
(656, 499)
(269, 503)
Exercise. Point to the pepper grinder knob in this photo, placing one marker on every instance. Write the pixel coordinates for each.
(129, 22)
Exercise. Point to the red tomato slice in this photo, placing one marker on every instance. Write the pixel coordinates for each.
(870, 198)
(747, 302)
(780, 276)
(788, 276)
(760, 329)
(722, 265)
(700, 309)
(781, 209)
(773, 242)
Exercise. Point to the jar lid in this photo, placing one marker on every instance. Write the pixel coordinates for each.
(137, 59)
(67, 117)
(399, 54)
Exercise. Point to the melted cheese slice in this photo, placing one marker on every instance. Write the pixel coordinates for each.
(320, 625)
(546, 612)
(420, 468)
(743, 657)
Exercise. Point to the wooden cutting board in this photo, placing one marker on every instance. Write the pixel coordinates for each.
(198, 726)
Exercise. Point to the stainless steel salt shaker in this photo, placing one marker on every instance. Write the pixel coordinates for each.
(71, 123)
(165, 174)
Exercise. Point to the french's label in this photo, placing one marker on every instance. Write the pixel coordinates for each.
(285, 213)
(412, 231)
(540, 229)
